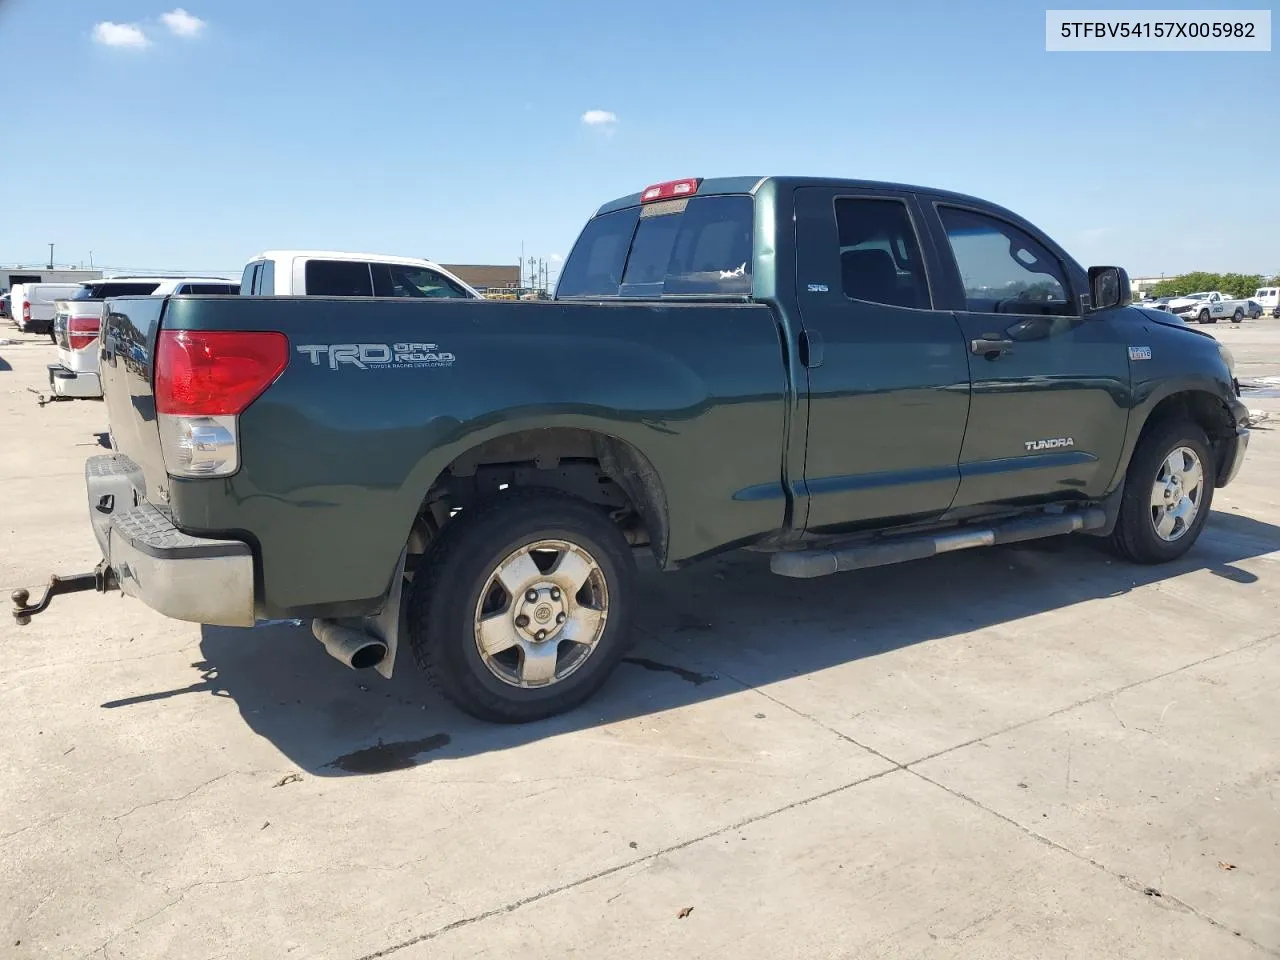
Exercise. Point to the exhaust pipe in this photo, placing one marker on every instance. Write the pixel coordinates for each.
(357, 650)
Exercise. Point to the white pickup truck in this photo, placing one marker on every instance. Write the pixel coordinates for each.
(77, 322)
(332, 273)
(1208, 307)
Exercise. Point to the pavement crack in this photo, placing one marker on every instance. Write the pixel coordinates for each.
(30, 826)
(192, 791)
(752, 688)
(617, 868)
(1109, 695)
(1136, 885)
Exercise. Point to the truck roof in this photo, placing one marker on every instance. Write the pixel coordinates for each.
(721, 185)
(143, 278)
(340, 255)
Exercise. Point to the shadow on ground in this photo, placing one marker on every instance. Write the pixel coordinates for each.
(712, 630)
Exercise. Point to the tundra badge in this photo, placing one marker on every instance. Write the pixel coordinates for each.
(1051, 444)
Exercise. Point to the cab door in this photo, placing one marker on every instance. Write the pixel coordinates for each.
(887, 371)
(1217, 306)
(1050, 401)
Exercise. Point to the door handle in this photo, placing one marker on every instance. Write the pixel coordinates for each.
(811, 348)
(989, 347)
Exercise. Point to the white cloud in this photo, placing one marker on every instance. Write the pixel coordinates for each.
(600, 118)
(119, 35)
(182, 23)
(556, 258)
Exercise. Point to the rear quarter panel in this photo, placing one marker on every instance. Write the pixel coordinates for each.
(336, 459)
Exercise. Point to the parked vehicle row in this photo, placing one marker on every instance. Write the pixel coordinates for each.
(33, 305)
(841, 374)
(78, 322)
(1209, 306)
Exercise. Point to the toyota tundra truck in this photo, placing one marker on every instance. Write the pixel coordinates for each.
(838, 373)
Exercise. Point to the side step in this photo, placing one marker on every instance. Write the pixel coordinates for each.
(822, 561)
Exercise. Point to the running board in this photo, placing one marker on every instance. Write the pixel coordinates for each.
(822, 561)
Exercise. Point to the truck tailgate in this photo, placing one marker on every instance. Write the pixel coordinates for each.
(130, 328)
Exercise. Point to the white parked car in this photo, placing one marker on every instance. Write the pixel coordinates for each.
(1269, 297)
(1208, 307)
(32, 304)
(332, 273)
(78, 322)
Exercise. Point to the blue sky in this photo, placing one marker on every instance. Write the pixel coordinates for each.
(455, 130)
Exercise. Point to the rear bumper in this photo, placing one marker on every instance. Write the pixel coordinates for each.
(188, 578)
(68, 383)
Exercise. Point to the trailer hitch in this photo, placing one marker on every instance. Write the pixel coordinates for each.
(102, 579)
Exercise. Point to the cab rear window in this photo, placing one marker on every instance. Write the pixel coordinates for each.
(699, 246)
(100, 291)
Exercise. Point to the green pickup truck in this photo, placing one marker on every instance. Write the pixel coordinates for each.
(839, 373)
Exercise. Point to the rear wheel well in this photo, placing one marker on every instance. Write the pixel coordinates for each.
(1201, 408)
(594, 467)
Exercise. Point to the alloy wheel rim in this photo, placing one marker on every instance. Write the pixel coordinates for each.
(1176, 494)
(541, 613)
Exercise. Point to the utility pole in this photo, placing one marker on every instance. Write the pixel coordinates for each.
(50, 267)
(90, 259)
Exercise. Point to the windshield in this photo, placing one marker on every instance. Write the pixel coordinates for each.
(700, 246)
(1195, 296)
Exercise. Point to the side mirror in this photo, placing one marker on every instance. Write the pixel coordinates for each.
(1109, 287)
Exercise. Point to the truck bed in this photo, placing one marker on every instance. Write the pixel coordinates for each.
(380, 396)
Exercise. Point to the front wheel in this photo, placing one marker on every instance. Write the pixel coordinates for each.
(523, 606)
(1168, 491)
(1204, 317)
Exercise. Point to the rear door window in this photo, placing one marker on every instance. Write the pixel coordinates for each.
(697, 246)
(338, 278)
(880, 259)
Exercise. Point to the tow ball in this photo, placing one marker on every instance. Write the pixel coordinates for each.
(102, 579)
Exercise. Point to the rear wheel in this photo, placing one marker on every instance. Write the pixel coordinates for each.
(1168, 491)
(1237, 316)
(523, 607)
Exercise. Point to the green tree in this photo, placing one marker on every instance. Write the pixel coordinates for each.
(1238, 286)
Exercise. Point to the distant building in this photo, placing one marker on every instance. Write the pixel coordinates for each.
(1140, 285)
(11, 275)
(486, 277)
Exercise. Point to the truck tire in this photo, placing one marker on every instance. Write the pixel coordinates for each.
(1168, 492)
(1204, 317)
(1237, 316)
(522, 607)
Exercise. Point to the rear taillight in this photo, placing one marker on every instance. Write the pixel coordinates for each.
(82, 331)
(26, 311)
(204, 380)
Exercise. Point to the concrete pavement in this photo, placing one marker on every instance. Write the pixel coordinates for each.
(1003, 753)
